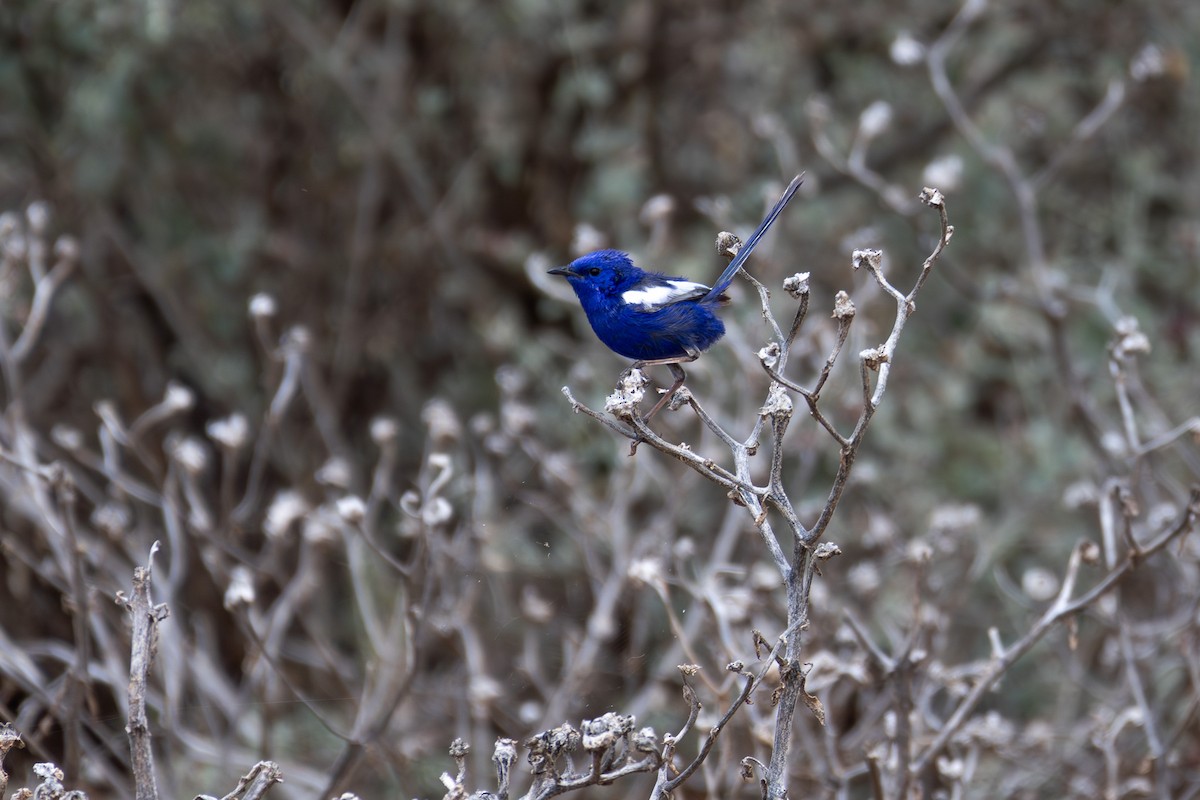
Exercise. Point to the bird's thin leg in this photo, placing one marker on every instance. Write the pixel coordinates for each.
(676, 372)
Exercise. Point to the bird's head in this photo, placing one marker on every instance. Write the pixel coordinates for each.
(603, 272)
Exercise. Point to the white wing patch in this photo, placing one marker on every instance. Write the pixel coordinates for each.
(662, 294)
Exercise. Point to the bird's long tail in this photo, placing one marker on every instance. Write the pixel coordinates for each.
(727, 276)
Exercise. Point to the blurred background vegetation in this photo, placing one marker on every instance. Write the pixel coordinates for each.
(396, 174)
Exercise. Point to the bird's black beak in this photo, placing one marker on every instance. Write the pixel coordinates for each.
(564, 271)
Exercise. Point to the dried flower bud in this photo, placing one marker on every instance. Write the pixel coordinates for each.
(945, 171)
(287, 507)
(1113, 442)
(189, 453)
(529, 712)
(645, 741)
(826, 551)
(728, 244)
(990, 730)
(38, 216)
(483, 690)
(534, 607)
(262, 306)
(178, 397)
(351, 508)
(66, 437)
(919, 551)
(1150, 62)
(906, 51)
(586, 239)
(66, 248)
(297, 339)
(1130, 339)
(875, 119)
(931, 197)
(10, 222)
(873, 358)
(797, 285)
(1039, 584)
(434, 512)
(843, 306)
(517, 418)
(864, 578)
(779, 405)
(335, 472)
(647, 570)
(229, 432)
(112, 519)
(1079, 494)
(955, 518)
(240, 591)
(384, 430)
(952, 769)
(600, 734)
(459, 749)
(320, 525)
(48, 772)
(630, 391)
(15, 247)
(869, 257)
(658, 207)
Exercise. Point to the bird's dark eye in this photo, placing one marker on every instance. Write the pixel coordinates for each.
(594, 272)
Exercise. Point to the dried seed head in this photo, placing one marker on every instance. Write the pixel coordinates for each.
(906, 51)
(875, 119)
(285, 510)
(797, 285)
(630, 391)
(384, 430)
(658, 207)
(869, 257)
(66, 437)
(931, 197)
(229, 432)
(351, 508)
(66, 248)
(335, 472)
(1039, 584)
(728, 244)
(843, 306)
(945, 171)
(240, 591)
(262, 306)
(190, 453)
(178, 397)
(38, 216)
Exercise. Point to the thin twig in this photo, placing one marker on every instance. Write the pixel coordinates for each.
(145, 617)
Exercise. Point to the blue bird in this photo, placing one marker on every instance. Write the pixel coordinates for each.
(653, 318)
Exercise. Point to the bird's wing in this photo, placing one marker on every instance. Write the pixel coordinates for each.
(653, 294)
